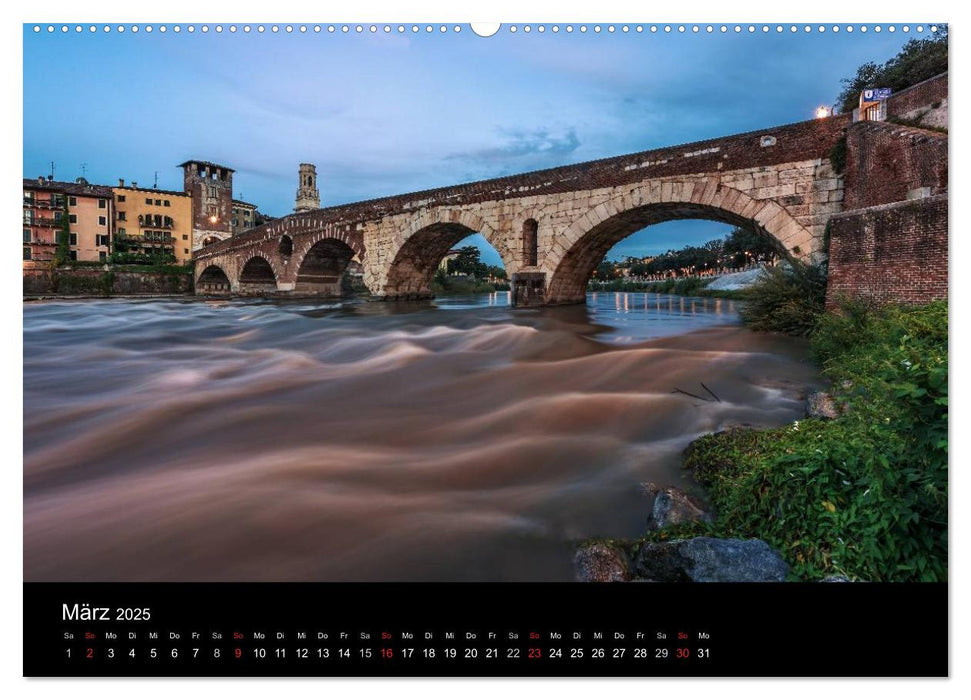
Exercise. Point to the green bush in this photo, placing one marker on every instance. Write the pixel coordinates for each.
(864, 495)
(786, 299)
(837, 156)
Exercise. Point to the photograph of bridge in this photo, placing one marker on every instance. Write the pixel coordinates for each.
(556, 320)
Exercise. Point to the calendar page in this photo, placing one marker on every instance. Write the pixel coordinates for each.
(364, 349)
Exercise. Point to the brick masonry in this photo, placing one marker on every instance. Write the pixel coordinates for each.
(925, 103)
(888, 163)
(890, 253)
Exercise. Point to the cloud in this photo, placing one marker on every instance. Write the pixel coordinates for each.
(537, 146)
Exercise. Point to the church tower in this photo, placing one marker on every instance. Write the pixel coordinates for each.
(308, 197)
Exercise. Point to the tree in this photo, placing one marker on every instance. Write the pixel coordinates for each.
(918, 60)
(466, 262)
(605, 271)
(745, 245)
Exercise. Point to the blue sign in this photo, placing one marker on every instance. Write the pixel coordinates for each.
(876, 94)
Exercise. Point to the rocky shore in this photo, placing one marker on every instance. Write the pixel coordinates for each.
(691, 559)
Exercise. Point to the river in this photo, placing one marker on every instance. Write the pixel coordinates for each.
(190, 440)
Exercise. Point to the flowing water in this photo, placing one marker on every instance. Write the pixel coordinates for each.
(184, 440)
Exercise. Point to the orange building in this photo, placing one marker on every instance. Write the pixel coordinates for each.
(88, 209)
(152, 221)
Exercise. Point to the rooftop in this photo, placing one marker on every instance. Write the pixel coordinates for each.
(206, 162)
(76, 189)
(172, 193)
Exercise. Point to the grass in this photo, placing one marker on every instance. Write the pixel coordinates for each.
(864, 495)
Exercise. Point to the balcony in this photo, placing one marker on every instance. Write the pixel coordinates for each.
(167, 224)
(32, 203)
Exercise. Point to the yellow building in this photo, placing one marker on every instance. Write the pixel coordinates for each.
(149, 220)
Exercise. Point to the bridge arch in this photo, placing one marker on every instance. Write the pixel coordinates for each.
(257, 276)
(421, 248)
(586, 241)
(322, 266)
(213, 280)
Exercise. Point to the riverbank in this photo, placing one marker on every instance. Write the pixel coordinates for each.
(686, 286)
(104, 280)
(859, 495)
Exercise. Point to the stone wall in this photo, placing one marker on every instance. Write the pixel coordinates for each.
(890, 253)
(96, 281)
(777, 179)
(889, 163)
(924, 103)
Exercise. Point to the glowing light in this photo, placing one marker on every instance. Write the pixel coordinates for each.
(213, 219)
(823, 112)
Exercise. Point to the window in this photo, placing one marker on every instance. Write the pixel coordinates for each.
(122, 216)
(530, 242)
(72, 201)
(122, 232)
(158, 202)
(72, 239)
(185, 251)
(102, 204)
(166, 203)
(26, 235)
(58, 216)
(185, 236)
(121, 198)
(28, 196)
(102, 221)
(74, 255)
(101, 240)
(148, 200)
(102, 256)
(26, 253)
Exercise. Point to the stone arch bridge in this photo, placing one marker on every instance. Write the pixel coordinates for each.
(551, 227)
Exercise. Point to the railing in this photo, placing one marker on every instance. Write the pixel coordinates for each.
(148, 224)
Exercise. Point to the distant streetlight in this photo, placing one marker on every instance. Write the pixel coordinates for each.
(823, 112)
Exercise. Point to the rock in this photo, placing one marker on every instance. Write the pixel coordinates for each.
(821, 405)
(708, 559)
(662, 561)
(673, 507)
(835, 578)
(600, 562)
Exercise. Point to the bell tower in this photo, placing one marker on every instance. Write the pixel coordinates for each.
(308, 197)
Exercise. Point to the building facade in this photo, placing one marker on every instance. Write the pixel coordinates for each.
(88, 210)
(152, 221)
(308, 196)
(245, 216)
(210, 187)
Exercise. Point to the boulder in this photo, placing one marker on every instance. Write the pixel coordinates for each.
(673, 506)
(600, 562)
(821, 405)
(709, 559)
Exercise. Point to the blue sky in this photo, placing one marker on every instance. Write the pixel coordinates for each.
(382, 114)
